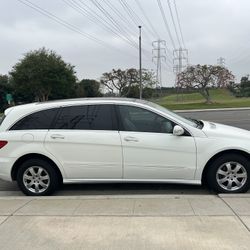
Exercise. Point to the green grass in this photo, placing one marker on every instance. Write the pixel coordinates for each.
(221, 98)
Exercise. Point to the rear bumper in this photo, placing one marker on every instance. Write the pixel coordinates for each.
(5, 168)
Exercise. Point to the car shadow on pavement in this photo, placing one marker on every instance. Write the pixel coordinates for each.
(131, 189)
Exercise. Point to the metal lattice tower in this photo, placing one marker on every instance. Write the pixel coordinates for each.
(180, 60)
(221, 62)
(159, 55)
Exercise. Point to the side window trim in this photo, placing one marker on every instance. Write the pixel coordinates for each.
(121, 127)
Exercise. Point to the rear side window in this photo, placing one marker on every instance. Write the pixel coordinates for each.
(39, 120)
(86, 117)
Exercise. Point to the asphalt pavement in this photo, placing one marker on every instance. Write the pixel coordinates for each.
(238, 118)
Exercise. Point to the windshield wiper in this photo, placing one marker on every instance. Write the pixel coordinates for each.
(197, 122)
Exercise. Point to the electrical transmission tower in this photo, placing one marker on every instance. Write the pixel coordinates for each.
(221, 62)
(180, 60)
(159, 55)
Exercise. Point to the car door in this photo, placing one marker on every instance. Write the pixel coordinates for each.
(150, 150)
(86, 141)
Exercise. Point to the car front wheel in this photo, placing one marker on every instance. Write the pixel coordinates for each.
(37, 177)
(229, 174)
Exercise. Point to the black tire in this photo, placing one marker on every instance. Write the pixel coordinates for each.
(211, 177)
(53, 181)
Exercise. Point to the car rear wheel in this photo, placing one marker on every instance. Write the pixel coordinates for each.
(36, 177)
(229, 174)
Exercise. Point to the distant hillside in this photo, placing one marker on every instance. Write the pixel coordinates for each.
(221, 98)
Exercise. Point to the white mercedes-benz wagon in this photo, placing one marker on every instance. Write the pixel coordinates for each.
(118, 140)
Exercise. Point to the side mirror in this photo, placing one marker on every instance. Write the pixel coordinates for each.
(178, 130)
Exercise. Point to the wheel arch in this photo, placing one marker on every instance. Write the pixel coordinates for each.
(219, 154)
(26, 157)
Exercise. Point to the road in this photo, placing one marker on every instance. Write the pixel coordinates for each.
(238, 118)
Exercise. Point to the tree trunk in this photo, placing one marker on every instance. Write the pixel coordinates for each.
(206, 95)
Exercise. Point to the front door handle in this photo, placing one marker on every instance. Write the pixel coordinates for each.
(131, 138)
(57, 136)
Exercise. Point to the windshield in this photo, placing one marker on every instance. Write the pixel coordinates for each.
(171, 113)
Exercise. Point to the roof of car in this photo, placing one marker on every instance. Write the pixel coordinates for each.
(118, 99)
(56, 103)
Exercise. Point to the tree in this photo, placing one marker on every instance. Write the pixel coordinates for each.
(204, 77)
(122, 82)
(88, 88)
(244, 87)
(43, 75)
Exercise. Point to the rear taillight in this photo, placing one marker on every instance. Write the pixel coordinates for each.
(2, 144)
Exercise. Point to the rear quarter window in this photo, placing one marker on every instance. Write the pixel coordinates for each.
(38, 120)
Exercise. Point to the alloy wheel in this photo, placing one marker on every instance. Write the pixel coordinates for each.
(231, 176)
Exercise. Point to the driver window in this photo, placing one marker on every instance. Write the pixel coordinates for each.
(141, 120)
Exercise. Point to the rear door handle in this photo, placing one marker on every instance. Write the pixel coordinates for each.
(131, 138)
(56, 136)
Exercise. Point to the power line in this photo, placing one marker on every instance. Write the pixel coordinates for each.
(96, 19)
(148, 20)
(179, 24)
(166, 22)
(135, 18)
(61, 21)
(113, 21)
(172, 17)
(72, 27)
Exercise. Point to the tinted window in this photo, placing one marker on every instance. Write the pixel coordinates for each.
(39, 120)
(93, 117)
(142, 120)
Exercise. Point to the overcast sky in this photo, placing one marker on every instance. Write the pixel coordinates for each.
(211, 29)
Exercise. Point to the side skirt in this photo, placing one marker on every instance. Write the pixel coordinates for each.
(174, 181)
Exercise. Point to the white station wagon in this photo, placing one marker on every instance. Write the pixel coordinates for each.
(118, 140)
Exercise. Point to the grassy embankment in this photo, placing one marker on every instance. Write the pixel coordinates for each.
(221, 98)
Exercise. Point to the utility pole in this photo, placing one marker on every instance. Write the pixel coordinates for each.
(221, 62)
(159, 55)
(140, 61)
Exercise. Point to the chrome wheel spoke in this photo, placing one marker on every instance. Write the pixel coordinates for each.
(30, 184)
(243, 175)
(28, 177)
(238, 183)
(220, 171)
(36, 187)
(229, 184)
(223, 180)
(229, 167)
(39, 172)
(44, 178)
(32, 171)
(44, 185)
(237, 168)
